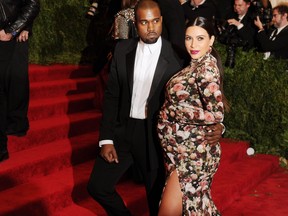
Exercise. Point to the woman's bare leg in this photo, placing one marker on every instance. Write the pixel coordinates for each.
(171, 202)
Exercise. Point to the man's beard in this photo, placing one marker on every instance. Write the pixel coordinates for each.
(150, 40)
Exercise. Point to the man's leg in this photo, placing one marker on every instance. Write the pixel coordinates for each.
(7, 49)
(153, 179)
(18, 91)
(3, 137)
(103, 180)
(157, 178)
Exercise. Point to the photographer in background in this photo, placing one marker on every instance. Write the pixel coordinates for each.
(274, 42)
(237, 31)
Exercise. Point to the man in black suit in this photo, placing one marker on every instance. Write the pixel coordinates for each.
(237, 31)
(243, 21)
(134, 94)
(274, 43)
(16, 19)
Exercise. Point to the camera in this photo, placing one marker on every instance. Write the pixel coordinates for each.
(227, 34)
(264, 13)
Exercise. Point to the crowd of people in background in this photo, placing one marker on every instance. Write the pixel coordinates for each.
(235, 23)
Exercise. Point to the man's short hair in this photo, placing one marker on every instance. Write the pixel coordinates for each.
(282, 9)
(145, 4)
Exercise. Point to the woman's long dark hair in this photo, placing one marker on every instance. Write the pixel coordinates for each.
(209, 27)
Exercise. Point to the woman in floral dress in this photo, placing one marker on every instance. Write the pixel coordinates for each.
(193, 101)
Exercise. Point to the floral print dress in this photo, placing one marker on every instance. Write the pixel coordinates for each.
(193, 100)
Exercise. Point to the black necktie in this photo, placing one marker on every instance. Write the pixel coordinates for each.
(274, 34)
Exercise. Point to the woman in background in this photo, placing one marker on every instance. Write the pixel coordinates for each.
(124, 20)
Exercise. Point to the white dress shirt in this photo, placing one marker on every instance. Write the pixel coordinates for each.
(241, 25)
(146, 60)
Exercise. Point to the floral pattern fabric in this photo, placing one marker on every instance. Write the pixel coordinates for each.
(193, 101)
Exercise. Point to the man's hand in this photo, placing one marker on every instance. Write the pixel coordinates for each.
(23, 36)
(258, 23)
(4, 36)
(214, 133)
(108, 152)
(233, 22)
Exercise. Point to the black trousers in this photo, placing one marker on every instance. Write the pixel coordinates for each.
(131, 148)
(14, 87)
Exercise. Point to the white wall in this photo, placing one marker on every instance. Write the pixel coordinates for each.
(276, 2)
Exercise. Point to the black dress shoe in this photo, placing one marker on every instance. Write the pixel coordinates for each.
(4, 155)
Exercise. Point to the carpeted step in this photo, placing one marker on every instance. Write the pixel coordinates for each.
(42, 196)
(62, 105)
(233, 150)
(48, 170)
(38, 73)
(235, 180)
(46, 159)
(52, 129)
(55, 88)
(76, 210)
(266, 199)
(132, 193)
(232, 181)
(50, 194)
(37, 199)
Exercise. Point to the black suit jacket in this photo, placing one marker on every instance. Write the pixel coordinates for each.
(20, 14)
(117, 98)
(278, 47)
(248, 32)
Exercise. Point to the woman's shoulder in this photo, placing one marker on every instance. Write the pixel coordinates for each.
(208, 64)
(208, 59)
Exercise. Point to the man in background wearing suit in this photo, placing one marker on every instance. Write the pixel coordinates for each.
(243, 20)
(237, 31)
(134, 94)
(16, 19)
(274, 43)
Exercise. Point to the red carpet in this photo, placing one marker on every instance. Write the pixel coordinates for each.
(48, 169)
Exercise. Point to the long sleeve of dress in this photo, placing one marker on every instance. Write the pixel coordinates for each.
(193, 95)
(208, 82)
